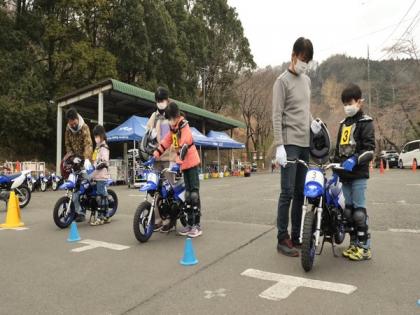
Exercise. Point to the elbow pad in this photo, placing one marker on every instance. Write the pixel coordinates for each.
(365, 157)
(183, 152)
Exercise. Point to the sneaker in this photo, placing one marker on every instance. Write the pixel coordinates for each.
(195, 231)
(286, 248)
(98, 221)
(80, 217)
(107, 220)
(346, 253)
(184, 230)
(360, 253)
(166, 228)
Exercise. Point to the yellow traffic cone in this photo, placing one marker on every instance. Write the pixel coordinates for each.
(13, 213)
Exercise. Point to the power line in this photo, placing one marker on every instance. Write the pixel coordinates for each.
(399, 23)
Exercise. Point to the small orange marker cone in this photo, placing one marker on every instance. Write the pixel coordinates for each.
(414, 166)
(13, 213)
(381, 168)
(387, 165)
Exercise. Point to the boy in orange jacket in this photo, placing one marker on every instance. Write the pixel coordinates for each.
(180, 138)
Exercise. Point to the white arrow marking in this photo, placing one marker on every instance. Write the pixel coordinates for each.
(286, 285)
(404, 231)
(92, 244)
(217, 293)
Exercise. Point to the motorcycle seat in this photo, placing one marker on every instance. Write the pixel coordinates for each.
(12, 176)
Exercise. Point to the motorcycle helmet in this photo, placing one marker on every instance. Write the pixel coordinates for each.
(148, 145)
(320, 145)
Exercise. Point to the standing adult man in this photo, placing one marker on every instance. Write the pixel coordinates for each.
(78, 142)
(292, 121)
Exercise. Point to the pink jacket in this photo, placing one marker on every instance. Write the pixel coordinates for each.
(101, 157)
(175, 139)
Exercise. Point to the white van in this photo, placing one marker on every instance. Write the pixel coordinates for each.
(410, 151)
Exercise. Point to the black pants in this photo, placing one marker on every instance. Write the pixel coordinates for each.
(292, 182)
(192, 184)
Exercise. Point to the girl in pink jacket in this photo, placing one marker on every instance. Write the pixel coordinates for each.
(100, 175)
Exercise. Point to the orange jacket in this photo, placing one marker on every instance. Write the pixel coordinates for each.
(179, 135)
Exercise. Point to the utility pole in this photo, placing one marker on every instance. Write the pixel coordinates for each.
(368, 73)
(203, 81)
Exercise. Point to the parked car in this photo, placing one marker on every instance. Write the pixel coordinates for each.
(390, 156)
(410, 152)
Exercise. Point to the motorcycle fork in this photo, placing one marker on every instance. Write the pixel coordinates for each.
(304, 210)
(152, 209)
(70, 195)
(318, 214)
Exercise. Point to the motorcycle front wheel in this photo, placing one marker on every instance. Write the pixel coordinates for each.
(54, 185)
(43, 186)
(24, 195)
(308, 241)
(143, 229)
(62, 218)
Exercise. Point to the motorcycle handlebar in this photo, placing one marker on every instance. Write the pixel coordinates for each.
(336, 166)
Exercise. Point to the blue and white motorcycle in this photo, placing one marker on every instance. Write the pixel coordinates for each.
(17, 183)
(56, 181)
(322, 212)
(166, 197)
(64, 211)
(44, 181)
(30, 181)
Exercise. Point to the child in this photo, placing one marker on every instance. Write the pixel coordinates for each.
(180, 139)
(100, 175)
(354, 149)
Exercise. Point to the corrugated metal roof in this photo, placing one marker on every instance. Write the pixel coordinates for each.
(150, 96)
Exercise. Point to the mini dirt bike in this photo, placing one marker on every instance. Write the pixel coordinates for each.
(16, 182)
(30, 181)
(168, 198)
(64, 211)
(56, 181)
(322, 212)
(44, 181)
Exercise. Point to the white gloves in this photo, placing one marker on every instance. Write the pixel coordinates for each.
(281, 155)
(87, 165)
(316, 125)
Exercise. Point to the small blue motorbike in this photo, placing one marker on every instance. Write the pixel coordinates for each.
(322, 212)
(163, 196)
(17, 183)
(78, 182)
(56, 181)
(30, 182)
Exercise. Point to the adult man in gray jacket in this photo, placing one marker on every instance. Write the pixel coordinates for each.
(292, 121)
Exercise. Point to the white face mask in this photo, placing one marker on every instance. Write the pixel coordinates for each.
(162, 105)
(351, 110)
(301, 67)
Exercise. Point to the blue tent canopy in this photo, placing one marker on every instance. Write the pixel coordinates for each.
(201, 140)
(133, 129)
(224, 141)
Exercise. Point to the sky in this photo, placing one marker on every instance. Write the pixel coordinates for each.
(334, 26)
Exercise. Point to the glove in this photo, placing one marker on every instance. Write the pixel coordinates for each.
(316, 126)
(350, 163)
(150, 162)
(281, 155)
(77, 160)
(175, 168)
(88, 166)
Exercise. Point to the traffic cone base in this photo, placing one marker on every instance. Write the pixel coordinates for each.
(189, 258)
(74, 233)
(13, 213)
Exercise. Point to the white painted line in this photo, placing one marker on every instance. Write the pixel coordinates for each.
(16, 229)
(405, 231)
(413, 184)
(136, 195)
(217, 293)
(400, 203)
(92, 244)
(286, 285)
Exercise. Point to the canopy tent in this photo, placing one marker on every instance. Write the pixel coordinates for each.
(201, 140)
(133, 129)
(224, 142)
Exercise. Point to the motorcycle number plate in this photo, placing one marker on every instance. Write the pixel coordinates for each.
(182, 196)
(315, 176)
(152, 177)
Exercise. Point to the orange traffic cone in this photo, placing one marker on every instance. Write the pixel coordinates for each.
(387, 165)
(414, 166)
(13, 213)
(381, 168)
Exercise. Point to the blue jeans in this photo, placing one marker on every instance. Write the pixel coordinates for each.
(101, 188)
(292, 183)
(354, 193)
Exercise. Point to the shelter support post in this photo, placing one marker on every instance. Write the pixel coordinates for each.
(101, 108)
(59, 139)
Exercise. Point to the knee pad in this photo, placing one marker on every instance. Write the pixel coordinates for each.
(348, 213)
(195, 199)
(187, 197)
(360, 217)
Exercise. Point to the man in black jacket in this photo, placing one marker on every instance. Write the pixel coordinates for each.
(354, 149)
